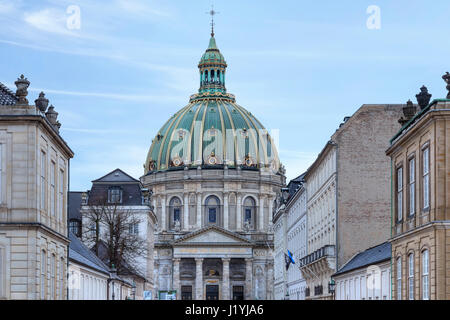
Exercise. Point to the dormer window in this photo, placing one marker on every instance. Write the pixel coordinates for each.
(115, 195)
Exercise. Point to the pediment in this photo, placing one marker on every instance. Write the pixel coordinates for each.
(213, 236)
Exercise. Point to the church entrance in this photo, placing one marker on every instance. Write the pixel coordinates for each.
(212, 292)
(238, 293)
(186, 293)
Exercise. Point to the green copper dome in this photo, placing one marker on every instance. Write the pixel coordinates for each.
(212, 130)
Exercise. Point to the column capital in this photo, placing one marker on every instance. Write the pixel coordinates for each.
(176, 260)
(226, 260)
(248, 260)
(197, 260)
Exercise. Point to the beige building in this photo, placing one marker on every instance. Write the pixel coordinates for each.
(348, 195)
(34, 168)
(420, 154)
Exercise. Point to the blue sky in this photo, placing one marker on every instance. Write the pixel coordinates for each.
(298, 66)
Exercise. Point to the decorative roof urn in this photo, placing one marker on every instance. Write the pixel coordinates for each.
(446, 78)
(22, 85)
(41, 102)
(408, 112)
(51, 115)
(423, 98)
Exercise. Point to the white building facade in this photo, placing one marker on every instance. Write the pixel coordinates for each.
(296, 243)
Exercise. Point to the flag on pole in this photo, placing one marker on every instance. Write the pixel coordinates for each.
(288, 258)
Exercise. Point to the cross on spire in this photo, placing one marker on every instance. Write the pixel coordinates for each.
(212, 12)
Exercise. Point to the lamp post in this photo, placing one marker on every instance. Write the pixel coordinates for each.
(332, 287)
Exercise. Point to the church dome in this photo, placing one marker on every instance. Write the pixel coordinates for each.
(212, 131)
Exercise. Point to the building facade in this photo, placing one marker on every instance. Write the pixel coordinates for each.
(420, 231)
(214, 173)
(34, 171)
(348, 195)
(367, 276)
(118, 193)
(290, 231)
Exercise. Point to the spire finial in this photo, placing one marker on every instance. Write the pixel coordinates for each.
(212, 13)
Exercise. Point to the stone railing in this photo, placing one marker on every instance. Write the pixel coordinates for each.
(326, 251)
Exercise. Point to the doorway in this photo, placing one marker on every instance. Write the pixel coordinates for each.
(238, 292)
(212, 292)
(186, 292)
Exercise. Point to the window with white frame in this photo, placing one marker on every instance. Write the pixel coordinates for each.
(61, 194)
(400, 194)
(52, 188)
(426, 177)
(43, 273)
(52, 277)
(412, 185)
(399, 278)
(425, 281)
(115, 195)
(61, 279)
(43, 180)
(134, 228)
(411, 276)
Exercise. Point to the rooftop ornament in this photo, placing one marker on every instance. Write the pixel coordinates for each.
(409, 111)
(446, 78)
(41, 102)
(22, 85)
(52, 115)
(423, 98)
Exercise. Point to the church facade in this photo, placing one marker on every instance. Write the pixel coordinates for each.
(214, 174)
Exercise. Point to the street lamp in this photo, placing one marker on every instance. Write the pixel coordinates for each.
(331, 287)
(133, 290)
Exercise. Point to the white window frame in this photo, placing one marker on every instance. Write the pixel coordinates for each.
(412, 186)
(399, 278)
(425, 274)
(52, 188)
(61, 194)
(53, 277)
(43, 274)
(43, 180)
(399, 194)
(411, 276)
(426, 177)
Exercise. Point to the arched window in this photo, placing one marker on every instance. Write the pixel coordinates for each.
(250, 213)
(175, 212)
(425, 279)
(212, 205)
(212, 76)
(411, 276)
(218, 76)
(399, 278)
(206, 77)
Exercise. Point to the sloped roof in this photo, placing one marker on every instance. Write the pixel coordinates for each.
(116, 176)
(7, 97)
(81, 254)
(371, 256)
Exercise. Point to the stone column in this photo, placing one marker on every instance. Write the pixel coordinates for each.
(186, 212)
(226, 279)
(176, 277)
(261, 213)
(198, 279)
(248, 294)
(238, 213)
(199, 210)
(270, 200)
(163, 213)
(225, 211)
